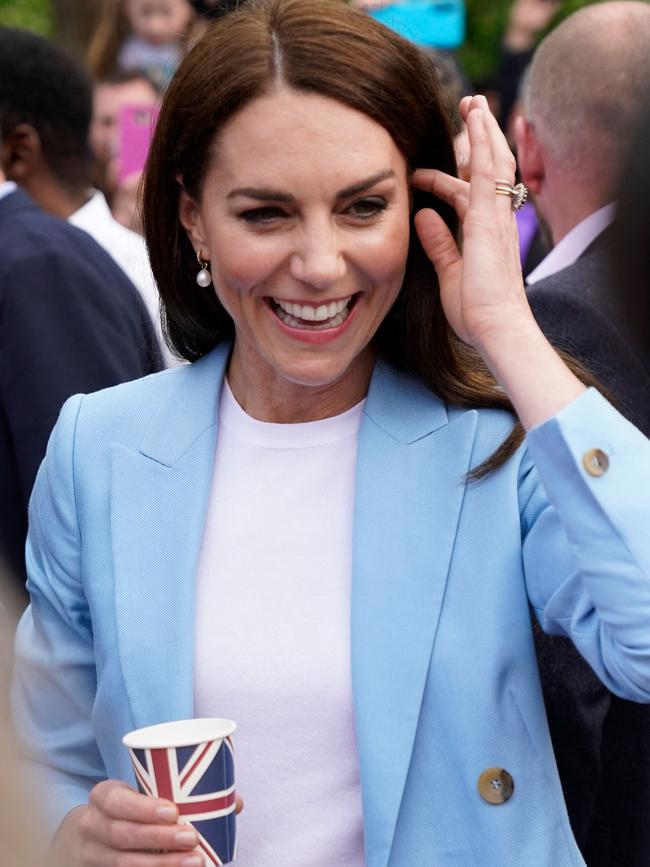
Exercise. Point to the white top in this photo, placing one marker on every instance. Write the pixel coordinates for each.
(129, 250)
(273, 633)
(567, 251)
(6, 187)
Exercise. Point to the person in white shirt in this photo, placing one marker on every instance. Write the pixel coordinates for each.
(587, 87)
(62, 186)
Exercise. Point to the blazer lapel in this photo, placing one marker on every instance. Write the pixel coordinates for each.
(410, 487)
(159, 497)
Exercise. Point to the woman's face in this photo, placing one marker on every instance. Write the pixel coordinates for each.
(304, 217)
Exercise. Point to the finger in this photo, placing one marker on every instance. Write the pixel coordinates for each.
(461, 150)
(96, 855)
(451, 190)
(119, 801)
(482, 168)
(437, 241)
(504, 161)
(127, 836)
(239, 805)
(463, 106)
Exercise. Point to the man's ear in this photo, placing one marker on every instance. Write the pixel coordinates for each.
(22, 154)
(529, 155)
(191, 220)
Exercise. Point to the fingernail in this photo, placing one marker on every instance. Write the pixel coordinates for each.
(193, 861)
(186, 839)
(167, 814)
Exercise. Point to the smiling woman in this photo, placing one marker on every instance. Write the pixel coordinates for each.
(286, 532)
(308, 237)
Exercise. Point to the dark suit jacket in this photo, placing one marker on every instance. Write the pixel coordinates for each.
(602, 743)
(70, 321)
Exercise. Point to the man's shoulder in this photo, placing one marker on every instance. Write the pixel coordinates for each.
(591, 271)
(57, 256)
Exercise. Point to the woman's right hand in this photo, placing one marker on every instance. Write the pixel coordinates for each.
(122, 828)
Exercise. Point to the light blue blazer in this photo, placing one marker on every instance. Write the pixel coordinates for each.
(445, 574)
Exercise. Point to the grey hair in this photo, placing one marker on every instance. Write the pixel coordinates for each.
(587, 86)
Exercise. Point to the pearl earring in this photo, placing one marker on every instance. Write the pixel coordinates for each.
(203, 278)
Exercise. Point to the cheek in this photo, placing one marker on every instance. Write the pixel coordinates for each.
(241, 263)
(385, 257)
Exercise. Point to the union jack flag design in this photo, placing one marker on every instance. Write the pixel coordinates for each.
(200, 780)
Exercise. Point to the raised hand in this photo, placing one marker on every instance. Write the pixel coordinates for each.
(481, 287)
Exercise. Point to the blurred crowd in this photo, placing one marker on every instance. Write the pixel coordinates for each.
(79, 307)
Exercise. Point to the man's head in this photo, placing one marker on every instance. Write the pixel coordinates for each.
(45, 111)
(587, 84)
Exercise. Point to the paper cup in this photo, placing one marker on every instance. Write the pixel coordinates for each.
(190, 762)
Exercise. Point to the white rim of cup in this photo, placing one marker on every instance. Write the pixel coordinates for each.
(180, 733)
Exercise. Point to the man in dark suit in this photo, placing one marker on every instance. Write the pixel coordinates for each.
(70, 321)
(586, 87)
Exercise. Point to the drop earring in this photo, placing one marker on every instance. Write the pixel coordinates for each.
(203, 278)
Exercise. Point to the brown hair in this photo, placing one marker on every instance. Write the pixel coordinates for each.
(328, 48)
(110, 32)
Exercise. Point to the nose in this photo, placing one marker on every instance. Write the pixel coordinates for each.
(318, 261)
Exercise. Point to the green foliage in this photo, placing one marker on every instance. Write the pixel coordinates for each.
(31, 14)
(486, 22)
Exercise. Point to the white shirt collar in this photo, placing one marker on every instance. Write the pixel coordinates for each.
(6, 187)
(572, 246)
(96, 208)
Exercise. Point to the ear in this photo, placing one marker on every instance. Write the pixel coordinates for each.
(189, 214)
(529, 155)
(22, 154)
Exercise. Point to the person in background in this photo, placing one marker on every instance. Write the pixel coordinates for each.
(70, 321)
(47, 95)
(111, 94)
(147, 36)
(630, 248)
(586, 89)
(328, 526)
(527, 20)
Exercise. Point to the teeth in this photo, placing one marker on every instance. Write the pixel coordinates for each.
(325, 316)
(310, 313)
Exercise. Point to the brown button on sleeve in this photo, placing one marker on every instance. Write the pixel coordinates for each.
(595, 462)
(496, 786)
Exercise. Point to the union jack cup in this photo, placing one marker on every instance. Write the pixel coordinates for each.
(190, 762)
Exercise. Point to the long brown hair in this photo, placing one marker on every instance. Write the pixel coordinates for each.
(328, 48)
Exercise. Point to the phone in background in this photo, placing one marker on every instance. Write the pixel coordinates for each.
(426, 22)
(136, 128)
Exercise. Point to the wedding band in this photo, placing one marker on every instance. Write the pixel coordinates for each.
(518, 194)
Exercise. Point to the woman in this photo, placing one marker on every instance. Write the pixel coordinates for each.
(285, 531)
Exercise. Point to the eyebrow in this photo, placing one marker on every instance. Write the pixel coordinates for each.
(266, 195)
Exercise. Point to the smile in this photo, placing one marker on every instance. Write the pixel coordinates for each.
(310, 316)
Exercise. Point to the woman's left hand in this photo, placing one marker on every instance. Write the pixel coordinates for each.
(481, 288)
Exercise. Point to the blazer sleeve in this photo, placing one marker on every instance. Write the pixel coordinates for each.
(586, 549)
(54, 682)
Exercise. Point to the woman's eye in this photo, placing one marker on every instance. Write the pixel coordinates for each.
(368, 207)
(262, 215)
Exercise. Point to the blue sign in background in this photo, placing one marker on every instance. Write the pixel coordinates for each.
(427, 22)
